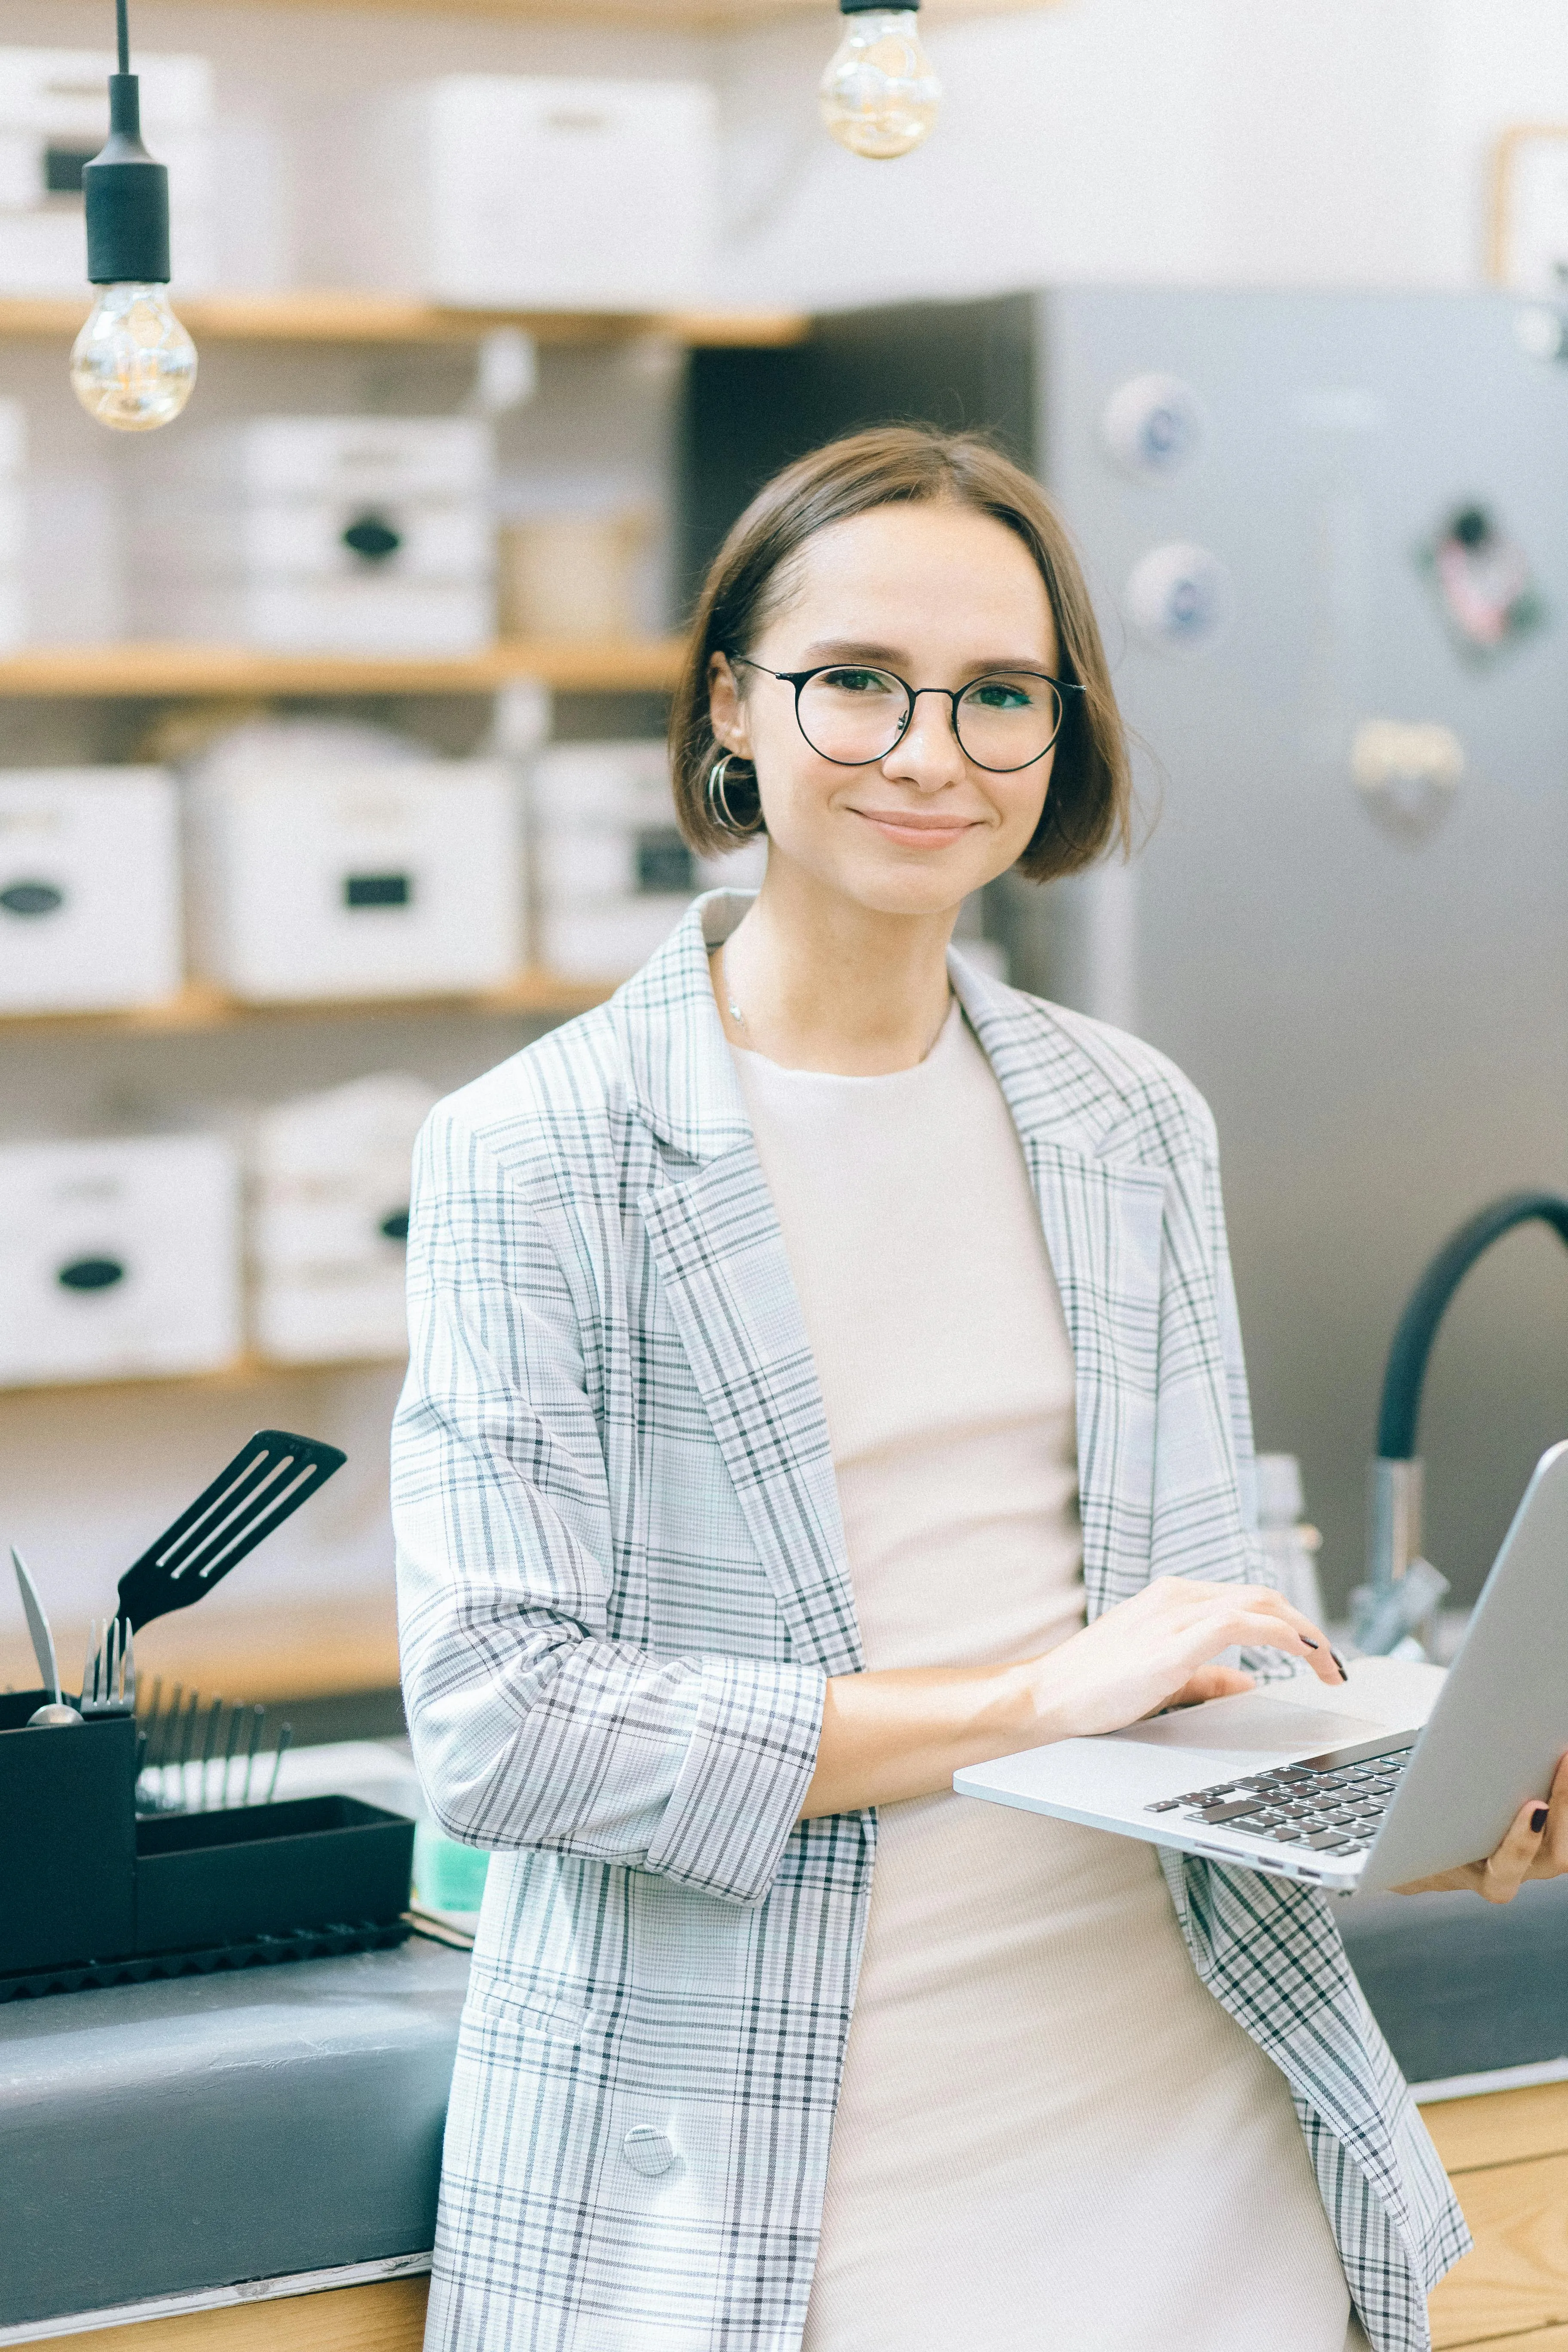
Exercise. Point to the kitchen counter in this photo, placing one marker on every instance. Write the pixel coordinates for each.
(158, 2140)
(227, 2138)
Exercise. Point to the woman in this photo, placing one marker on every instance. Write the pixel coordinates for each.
(804, 1346)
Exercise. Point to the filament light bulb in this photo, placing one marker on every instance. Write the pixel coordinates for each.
(132, 365)
(879, 95)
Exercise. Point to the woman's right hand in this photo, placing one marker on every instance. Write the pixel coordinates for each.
(904, 1732)
(1162, 1649)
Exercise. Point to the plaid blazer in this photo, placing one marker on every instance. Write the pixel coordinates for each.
(622, 1581)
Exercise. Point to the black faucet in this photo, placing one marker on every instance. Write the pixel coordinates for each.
(1402, 1588)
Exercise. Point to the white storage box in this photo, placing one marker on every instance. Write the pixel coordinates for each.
(327, 880)
(14, 607)
(609, 941)
(612, 875)
(357, 458)
(523, 191)
(13, 612)
(328, 1220)
(338, 617)
(89, 888)
(12, 527)
(336, 1315)
(313, 540)
(321, 534)
(118, 1258)
(54, 117)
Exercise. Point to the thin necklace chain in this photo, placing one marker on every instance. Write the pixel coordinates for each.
(739, 1018)
(736, 1015)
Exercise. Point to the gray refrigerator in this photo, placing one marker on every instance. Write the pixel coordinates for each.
(1328, 534)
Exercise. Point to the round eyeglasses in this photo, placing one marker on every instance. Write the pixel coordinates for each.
(854, 713)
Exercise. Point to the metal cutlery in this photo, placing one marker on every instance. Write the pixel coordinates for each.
(108, 1670)
(265, 1483)
(191, 1761)
(55, 1710)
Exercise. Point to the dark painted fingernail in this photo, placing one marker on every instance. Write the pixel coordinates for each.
(1538, 1820)
(1308, 1640)
(1339, 1662)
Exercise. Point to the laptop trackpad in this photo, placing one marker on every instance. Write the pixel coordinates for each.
(1251, 1724)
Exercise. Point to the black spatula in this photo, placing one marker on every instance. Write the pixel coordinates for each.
(267, 1480)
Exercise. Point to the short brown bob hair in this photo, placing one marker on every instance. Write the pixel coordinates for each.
(1087, 808)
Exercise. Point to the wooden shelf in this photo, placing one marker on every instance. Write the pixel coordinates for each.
(200, 1008)
(325, 315)
(155, 670)
(247, 1371)
(665, 16)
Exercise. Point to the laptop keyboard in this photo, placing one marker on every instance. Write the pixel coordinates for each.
(1334, 1803)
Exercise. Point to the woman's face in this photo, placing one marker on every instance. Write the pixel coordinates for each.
(941, 595)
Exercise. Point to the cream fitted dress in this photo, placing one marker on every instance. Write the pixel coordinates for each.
(1049, 2138)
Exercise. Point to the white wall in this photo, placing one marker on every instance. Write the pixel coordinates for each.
(1203, 141)
(1338, 142)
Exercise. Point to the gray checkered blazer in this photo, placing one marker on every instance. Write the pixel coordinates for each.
(622, 1581)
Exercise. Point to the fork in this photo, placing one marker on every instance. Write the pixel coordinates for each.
(108, 1671)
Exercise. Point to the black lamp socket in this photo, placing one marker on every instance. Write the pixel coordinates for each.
(127, 199)
(864, 8)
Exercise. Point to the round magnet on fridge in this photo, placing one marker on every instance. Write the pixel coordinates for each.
(1179, 598)
(1154, 426)
(1406, 775)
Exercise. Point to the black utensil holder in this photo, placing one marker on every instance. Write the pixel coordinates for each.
(68, 1837)
(84, 1885)
(206, 1879)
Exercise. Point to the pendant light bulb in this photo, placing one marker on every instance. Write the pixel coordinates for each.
(132, 365)
(879, 95)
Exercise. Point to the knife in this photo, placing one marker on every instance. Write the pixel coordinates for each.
(38, 1627)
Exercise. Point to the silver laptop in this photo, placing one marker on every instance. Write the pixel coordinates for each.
(1294, 1792)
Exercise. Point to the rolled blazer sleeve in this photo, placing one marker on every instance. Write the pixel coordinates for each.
(530, 1727)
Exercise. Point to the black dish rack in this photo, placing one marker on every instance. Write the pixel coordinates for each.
(92, 1895)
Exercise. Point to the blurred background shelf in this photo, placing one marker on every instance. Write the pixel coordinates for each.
(347, 315)
(247, 1371)
(248, 1652)
(660, 15)
(133, 668)
(199, 1009)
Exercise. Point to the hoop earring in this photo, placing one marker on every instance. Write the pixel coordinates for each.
(719, 807)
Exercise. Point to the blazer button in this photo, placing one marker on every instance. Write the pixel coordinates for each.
(646, 2150)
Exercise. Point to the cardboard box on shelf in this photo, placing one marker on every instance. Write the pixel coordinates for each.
(89, 888)
(118, 1258)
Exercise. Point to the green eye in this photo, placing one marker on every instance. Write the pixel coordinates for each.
(859, 681)
(1002, 694)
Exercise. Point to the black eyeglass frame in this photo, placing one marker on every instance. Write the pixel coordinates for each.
(801, 679)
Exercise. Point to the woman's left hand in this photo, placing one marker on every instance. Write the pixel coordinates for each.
(1535, 1847)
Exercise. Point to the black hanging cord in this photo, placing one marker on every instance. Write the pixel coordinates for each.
(126, 193)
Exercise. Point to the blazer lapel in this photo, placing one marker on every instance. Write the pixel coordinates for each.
(714, 1234)
(717, 1242)
(1102, 1225)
